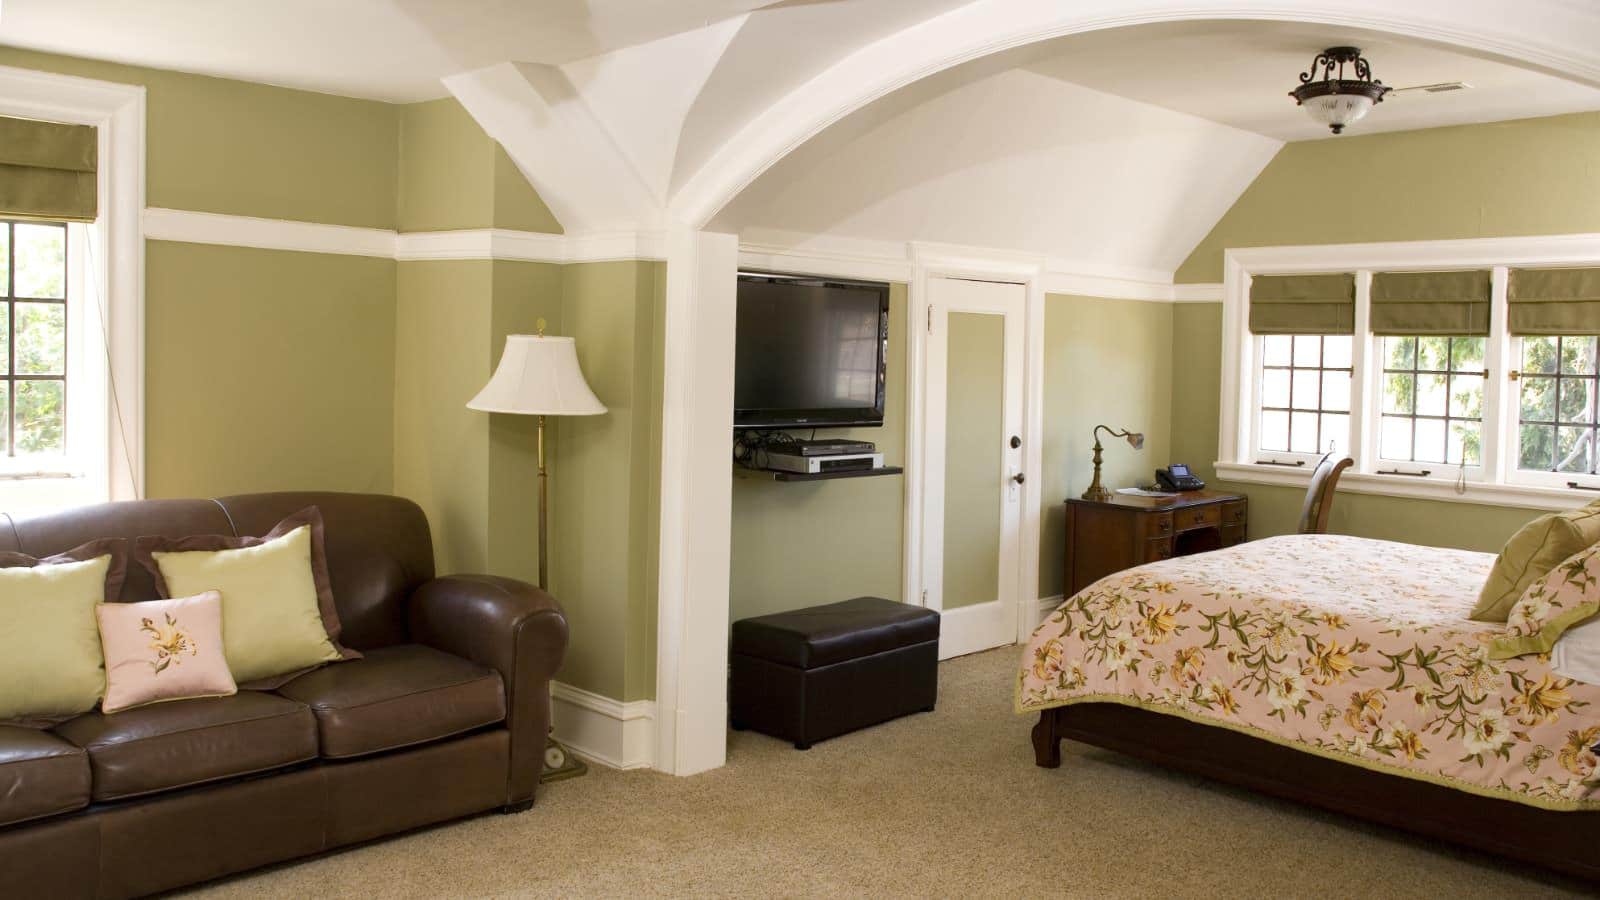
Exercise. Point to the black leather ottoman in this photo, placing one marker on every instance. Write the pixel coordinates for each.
(819, 672)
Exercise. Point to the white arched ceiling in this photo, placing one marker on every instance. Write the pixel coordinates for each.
(1558, 36)
(1017, 160)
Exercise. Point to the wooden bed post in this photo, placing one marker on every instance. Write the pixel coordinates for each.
(1046, 743)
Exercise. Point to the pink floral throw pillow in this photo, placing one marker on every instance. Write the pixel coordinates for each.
(163, 650)
(1567, 596)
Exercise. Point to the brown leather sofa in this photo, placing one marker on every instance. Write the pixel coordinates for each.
(445, 716)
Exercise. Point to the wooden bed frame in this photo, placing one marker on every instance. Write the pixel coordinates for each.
(1568, 842)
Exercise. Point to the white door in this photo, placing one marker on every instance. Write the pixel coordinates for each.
(973, 461)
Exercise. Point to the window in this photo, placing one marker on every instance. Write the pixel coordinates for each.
(1461, 378)
(33, 346)
(1432, 408)
(1305, 394)
(1557, 387)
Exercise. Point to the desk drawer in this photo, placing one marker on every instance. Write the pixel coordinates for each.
(1156, 525)
(1232, 534)
(1157, 550)
(1198, 517)
(1235, 513)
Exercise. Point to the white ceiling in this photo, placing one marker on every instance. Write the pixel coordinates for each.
(1240, 74)
(395, 50)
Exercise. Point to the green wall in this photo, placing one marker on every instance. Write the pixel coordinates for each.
(855, 526)
(453, 175)
(1529, 176)
(304, 403)
(1526, 177)
(1106, 362)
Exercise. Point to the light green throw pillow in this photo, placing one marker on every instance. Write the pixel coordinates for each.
(52, 668)
(1531, 554)
(271, 622)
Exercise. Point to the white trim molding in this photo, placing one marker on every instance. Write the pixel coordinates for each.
(188, 226)
(1494, 482)
(116, 239)
(611, 732)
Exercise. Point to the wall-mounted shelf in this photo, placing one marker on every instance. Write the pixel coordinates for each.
(825, 476)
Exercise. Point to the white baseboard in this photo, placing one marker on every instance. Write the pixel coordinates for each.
(1047, 605)
(610, 732)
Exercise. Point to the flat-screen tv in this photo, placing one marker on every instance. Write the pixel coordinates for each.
(810, 352)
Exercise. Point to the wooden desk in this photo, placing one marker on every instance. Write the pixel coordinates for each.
(1127, 530)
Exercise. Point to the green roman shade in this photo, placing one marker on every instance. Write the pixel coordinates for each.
(47, 170)
(1553, 301)
(1450, 303)
(1303, 304)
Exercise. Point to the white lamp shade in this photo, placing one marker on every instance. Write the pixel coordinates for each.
(538, 376)
(1339, 109)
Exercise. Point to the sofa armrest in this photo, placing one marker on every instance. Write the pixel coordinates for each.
(514, 628)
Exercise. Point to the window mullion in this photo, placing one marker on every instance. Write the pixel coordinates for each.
(1362, 384)
(1497, 432)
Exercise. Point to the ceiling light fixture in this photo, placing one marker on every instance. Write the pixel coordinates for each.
(1337, 102)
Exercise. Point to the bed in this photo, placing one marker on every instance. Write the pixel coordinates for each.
(1331, 670)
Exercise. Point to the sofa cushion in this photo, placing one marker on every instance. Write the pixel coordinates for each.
(188, 742)
(40, 775)
(396, 697)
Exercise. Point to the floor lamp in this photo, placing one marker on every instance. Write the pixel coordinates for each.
(539, 376)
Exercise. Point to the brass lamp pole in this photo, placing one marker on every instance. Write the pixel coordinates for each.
(1097, 491)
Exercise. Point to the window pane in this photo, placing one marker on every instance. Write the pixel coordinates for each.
(1394, 438)
(5, 260)
(1466, 443)
(1399, 352)
(1577, 399)
(5, 412)
(1575, 450)
(1275, 388)
(1275, 350)
(1537, 451)
(1577, 356)
(41, 418)
(1466, 396)
(1307, 350)
(1430, 441)
(1337, 430)
(1539, 355)
(1275, 431)
(1337, 351)
(41, 338)
(5, 348)
(41, 261)
(1303, 439)
(1466, 354)
(1538, 398)
(1336, 391)
(1397, 393)
(1433, 354)
(1306, 389)
(1431, 395)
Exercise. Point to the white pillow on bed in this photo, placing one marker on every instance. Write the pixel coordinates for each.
(1576, 654)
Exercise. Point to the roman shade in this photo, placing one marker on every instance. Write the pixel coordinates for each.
(1554, 301)
(1453, 303)
(47, 170)
(1303, 304)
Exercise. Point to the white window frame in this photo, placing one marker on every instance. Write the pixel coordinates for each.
(1290, 458)
(1497, 481)
(106, 336)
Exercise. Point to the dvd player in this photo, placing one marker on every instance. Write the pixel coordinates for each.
(834, 447)
(816, 465)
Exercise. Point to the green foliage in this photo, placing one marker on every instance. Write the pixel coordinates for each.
(1455, 388)
(1551, 400)
(38, 333)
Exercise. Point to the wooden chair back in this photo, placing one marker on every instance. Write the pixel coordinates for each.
(1319, 494)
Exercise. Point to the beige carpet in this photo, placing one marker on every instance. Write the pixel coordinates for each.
(940, 804)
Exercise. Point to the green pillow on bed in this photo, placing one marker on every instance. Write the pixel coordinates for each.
(1567, 596)
(1536, 549)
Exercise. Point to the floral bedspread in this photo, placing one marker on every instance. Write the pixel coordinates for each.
(1354, 649)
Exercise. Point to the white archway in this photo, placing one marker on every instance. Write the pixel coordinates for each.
(1548, 34)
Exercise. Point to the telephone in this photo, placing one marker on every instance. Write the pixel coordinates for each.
(1178, 478)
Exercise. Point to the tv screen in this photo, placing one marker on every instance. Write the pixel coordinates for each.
(809, 353)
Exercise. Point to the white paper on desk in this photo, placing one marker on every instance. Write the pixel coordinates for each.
(1576, 654)
(1141, 492)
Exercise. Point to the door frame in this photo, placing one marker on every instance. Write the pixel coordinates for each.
(935, 261)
